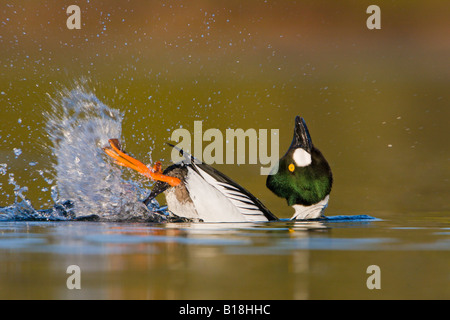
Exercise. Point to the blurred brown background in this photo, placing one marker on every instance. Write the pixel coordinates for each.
(376, 101)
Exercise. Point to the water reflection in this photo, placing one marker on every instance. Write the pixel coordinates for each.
(277, 260)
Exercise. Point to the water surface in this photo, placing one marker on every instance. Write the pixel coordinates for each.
(277, 260)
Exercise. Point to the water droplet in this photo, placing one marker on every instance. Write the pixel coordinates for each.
(17, 152)
(3, 168)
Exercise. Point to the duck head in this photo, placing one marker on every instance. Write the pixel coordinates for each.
(303, 177)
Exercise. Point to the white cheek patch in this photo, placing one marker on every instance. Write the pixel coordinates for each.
(302, 158)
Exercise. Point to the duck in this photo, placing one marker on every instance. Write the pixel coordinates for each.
(195, 190)
(303, 176)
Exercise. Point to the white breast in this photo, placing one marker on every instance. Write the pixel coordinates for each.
(310, 212)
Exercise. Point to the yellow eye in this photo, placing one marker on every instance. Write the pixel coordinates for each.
(291, 167)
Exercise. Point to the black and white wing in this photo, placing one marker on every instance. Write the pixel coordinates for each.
(246, 203)
(242, 200)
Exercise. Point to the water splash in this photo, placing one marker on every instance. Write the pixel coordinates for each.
(79, 126)
(86, 183)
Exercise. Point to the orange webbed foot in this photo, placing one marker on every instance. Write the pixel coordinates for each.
(123, 159)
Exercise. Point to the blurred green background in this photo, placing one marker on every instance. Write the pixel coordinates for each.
(376, 101)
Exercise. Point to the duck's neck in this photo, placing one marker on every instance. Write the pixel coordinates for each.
(310, 212)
